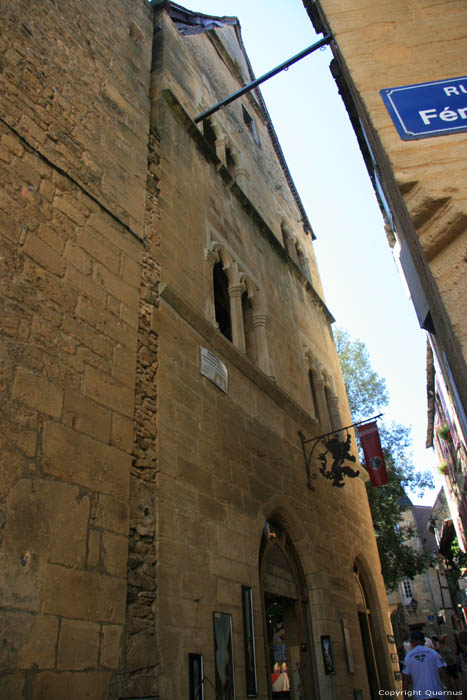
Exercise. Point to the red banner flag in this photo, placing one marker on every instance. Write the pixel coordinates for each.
(374, 460)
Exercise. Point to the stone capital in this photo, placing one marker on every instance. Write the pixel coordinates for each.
(259, 319)
(236, 290)
(211, 256)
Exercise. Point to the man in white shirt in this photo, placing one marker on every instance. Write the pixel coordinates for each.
(425, 668)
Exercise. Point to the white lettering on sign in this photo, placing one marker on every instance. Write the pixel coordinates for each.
(214, 369)
(455, 90)
(446, 115)
(428, 114)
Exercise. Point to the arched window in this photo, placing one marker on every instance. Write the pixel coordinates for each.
(250, 123)
(230, 161)
(209, 133)
(285, 616)
(222, 300)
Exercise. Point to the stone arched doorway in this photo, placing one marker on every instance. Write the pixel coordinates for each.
(366, 624)
(377, 664)
(290, 660)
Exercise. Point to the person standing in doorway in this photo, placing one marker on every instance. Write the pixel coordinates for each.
(425, 668)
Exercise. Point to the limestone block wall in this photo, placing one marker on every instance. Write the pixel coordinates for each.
(205, 80)
(229, 461)
(387, 44)
(74, 127)
(217, 218)
(226, 464)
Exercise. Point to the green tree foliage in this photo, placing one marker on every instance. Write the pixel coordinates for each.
(457, 564)
(368, 395)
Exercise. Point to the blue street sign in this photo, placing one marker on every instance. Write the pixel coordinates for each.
(428, 109)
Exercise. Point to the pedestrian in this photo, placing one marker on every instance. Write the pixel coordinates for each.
(449, 656)
(425, 668)
(459, 663)
(406, 643)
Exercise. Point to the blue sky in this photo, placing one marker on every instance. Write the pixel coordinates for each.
(362, 284)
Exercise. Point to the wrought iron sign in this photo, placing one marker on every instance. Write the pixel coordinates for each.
(333, 458)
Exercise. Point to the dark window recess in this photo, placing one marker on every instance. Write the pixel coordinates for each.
(250, 123)
(222, 300)
(209, 133)
(229, 161)
(313, 394)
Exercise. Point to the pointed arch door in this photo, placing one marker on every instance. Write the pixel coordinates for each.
(289, 654)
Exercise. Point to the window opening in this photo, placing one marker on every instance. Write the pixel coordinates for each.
(230, 161)
(290, 662)
(222, 300)
(250, 123)
(209, 133)
(407, 589)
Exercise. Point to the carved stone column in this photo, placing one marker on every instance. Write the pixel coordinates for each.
(236, 314)
(260, 322)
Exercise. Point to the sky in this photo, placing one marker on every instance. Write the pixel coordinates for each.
(362, 285)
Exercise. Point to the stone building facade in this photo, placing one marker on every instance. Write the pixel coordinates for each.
(426, 600)
(419, 179)
(164, 338)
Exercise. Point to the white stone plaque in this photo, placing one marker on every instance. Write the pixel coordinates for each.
(214, 369)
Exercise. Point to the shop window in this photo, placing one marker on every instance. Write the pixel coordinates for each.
(250, 123)
(222, 300)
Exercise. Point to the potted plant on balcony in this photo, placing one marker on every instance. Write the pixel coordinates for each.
(443, 468)
(443, 432)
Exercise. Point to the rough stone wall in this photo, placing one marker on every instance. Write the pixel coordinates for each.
(73, 160)
(140, 658)
(387, 44)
